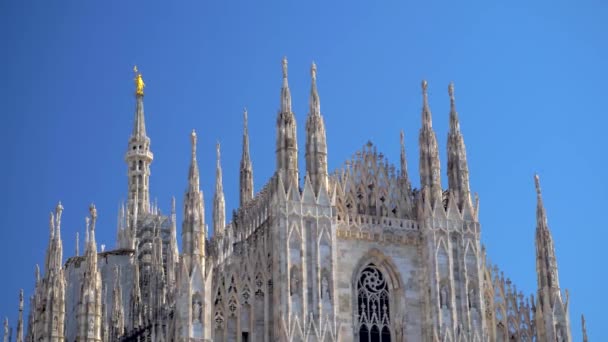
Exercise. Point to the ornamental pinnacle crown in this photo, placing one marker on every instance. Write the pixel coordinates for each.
(139, 82)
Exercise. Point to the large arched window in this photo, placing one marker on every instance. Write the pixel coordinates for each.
(373, 310)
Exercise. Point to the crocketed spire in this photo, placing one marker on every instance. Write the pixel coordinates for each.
(458, 168)
(430, 173)
(316, 141)
(219, 203)
(246, 171)
(287, 141)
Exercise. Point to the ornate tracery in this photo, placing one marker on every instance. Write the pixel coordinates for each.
(373, 306)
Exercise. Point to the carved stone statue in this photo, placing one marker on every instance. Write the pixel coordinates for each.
(443, 297)
(325, 293)
(139, 82)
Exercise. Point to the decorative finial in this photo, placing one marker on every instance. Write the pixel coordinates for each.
(139, 82)
(584, 327)
(284, 66)
(193, 140)
(20, 299)
(87, 223)
(58, 211)
(313, 71)
(217, 150)
(77, 244)
(424, 86)
(402, 138)
(537, 183)
(93, 212)
(451, 91)
(51, 225)
(37, 273)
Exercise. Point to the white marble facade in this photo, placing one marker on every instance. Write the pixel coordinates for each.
(353, 255)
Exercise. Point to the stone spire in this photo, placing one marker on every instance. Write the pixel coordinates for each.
(6, 330)
(90, 306)
(404, 175)
(138, 156)
(430, 174)
(246, 172)
(172, 252)
(193, 225)
(316, 142)
(118, 315)
(552, 310)
(458, 168)
(135, 306)
(219, 203)
(20, 319)
(583, 323)
(51, 290)
(287, 141)
(546, 263)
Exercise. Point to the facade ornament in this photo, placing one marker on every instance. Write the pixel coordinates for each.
(139, 82)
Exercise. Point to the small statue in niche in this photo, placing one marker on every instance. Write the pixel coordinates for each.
(472, 299)
(443, 296)
(91, 325)
(196, 310)
(294, 281)
(325, 293)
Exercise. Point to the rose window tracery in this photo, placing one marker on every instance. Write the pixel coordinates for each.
(373, 306)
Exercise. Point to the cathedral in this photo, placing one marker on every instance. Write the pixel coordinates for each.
(358, 254)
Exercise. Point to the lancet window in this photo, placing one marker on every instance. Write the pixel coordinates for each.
(373, 306)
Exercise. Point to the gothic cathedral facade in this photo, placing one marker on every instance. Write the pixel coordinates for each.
(354, 255)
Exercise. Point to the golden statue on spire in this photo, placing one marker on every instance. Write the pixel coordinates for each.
(139, 82)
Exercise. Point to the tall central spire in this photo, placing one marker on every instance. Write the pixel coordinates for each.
(287, 142)
(138, 156)
(316, 141)
(219, 203)
(246, 172)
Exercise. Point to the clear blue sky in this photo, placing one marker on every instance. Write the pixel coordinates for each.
(531, 84)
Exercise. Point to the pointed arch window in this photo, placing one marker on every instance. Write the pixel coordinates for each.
(373, 305)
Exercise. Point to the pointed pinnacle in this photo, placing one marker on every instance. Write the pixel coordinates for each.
(245, 114)
(537, 183)
(51, 225)
(193, 141)
(93, 212)
(284, 67)
(20, 299)
(217, 151)
(426, 112)
(454, 122)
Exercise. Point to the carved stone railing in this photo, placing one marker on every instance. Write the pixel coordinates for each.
(377, 228)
